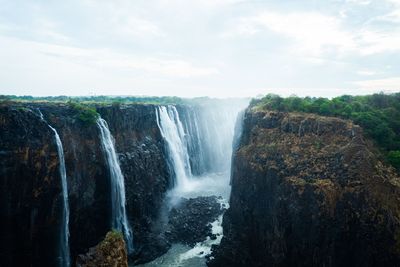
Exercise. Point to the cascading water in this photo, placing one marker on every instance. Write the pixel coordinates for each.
(171, 129)
(119, 219)
(199, 143)
(64, 257)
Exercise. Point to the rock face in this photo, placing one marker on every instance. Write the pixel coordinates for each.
(309, 191)
(30, 192)
(189, 221)
(30, 183)
(111, 252)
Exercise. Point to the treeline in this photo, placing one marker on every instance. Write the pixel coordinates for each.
(378, 114)
(96, 99)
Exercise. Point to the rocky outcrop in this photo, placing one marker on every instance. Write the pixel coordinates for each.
(309, 191)
(31, 201)
(111, 252)
(190, 221)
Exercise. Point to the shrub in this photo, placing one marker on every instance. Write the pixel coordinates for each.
(394, 158)
(86, 114)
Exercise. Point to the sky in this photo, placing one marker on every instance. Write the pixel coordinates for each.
(188, 48)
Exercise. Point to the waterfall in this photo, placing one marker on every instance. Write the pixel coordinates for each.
(199, 146)
(199, 140)
(119, 219)
(172, 131)
(64, 257)
(212, 127)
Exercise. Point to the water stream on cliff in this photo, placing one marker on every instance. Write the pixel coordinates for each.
(64, 257)
(199, 142)
(119, 218)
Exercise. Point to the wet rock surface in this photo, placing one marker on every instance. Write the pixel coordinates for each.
(189, 221)
(309, 191)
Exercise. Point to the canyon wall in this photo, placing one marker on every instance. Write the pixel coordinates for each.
(31, 200)
(308, 191)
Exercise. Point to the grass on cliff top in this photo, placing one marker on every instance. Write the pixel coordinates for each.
(377, 114)
(84, 113)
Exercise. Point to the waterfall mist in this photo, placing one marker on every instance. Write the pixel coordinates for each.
(199, 141)
(119, 218)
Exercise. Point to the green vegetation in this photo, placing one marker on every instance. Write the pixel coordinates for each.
(394, 158)
(110, 239)
(117, 100)
(86, 114)
(378, 114)
(97, 99)
(115, 234)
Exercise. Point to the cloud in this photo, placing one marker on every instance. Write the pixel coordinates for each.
(366, 72)
(312, 32)
(393, 15)
(108, 59)
(315, 34)
(374, 42)
(122, 18)
(359, 2)
(389, 85)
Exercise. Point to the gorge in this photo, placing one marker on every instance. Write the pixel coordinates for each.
(215, 182)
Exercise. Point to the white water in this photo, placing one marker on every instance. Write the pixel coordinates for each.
(64, 257)
(208, 131)
(119, 219)
(172, 131)
(64, 251)
(180, 255)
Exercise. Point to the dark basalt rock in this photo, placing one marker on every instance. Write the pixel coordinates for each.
(189, 221)
(30, 190)
(30, 199)
(309, 191)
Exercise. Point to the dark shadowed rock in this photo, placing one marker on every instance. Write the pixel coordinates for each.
(31, 201)
(30, 190)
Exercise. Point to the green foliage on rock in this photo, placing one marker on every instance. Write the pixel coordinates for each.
(394, 158)
(378, 114)
(84, 113)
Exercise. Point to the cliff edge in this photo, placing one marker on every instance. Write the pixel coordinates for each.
(309, 190)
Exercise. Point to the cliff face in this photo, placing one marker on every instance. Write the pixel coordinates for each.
(309, 191)
(29, 190)
(143, 161)
(30, 205)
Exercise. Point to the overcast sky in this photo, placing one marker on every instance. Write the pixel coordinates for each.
(199, 47)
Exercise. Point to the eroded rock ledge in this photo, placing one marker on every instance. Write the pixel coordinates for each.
(110, 252)
(309, 191)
